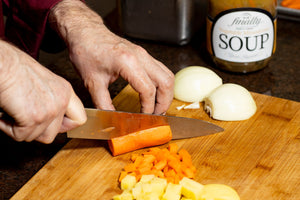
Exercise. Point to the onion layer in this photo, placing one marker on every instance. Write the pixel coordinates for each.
(194, 83)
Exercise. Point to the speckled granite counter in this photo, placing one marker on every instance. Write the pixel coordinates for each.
(20, 161)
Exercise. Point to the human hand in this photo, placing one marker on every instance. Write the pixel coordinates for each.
(40, 103)
(101, 57)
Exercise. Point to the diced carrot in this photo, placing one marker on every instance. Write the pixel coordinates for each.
(159, 173)
(160, 165)
(138, 161)
(163, 155)
(168, 163)
(149, 158)
(130, 167)
(173, 148)
(140, 139)
(176, 179)
(175, 165)
(152, 151)
(134, 156)
(145, 170)
(122, 175)
(185, 156)
(189, 173)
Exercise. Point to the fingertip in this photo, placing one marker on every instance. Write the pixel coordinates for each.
(102, 99)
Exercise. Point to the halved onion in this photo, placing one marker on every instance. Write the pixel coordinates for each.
(194, 83)
(230, 102)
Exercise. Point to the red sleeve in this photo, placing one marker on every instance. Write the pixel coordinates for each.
(26, 23)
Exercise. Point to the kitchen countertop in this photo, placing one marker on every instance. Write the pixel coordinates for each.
(20, 160)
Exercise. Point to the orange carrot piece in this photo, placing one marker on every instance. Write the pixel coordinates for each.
(173, 148)
(149, 158)
(295, 4)
(185, 156)
(130, 167)
(122, 175)
(138, 161)
(160, 165)
(168, 163)
(174, 164)
(134, 156)
(140, 139)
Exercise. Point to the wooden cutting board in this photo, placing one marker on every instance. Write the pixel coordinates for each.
(259, 157)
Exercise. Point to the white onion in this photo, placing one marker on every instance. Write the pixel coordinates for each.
(230, 102)
(194, 83)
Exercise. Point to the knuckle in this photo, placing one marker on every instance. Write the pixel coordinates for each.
(150, 91)
(126, 53)
(19, 135)
(38, 115)
(140, 50)
(126, 56)
(167, 83)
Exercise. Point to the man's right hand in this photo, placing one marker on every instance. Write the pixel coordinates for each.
(40, 103)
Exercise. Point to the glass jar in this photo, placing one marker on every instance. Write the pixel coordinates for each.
(241, 34)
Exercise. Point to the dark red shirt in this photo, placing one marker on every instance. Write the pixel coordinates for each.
(26, 22)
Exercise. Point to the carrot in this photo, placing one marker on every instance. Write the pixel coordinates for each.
(122, 175)
(295, 4)
(168, 163)
(140, 139)
(173, 148)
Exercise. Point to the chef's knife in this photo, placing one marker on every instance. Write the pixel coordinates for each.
(104, 125)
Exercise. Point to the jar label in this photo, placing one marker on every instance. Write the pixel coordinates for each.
(243, 35)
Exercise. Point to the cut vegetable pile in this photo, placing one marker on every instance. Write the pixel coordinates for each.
(226, 102)
(167, 163)
(140, 181)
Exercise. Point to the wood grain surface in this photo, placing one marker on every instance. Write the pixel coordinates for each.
(259, 157)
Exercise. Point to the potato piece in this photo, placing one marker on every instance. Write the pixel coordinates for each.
(128, 182)
(137, 190)
(173, 192)
(218, 192)
(126, 195)
(147, 178)
(190, 188)
(158, 185)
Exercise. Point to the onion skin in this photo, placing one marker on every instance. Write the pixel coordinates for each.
(194, 83)
(230, 102)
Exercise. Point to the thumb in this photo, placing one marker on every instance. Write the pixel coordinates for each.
(75, 114)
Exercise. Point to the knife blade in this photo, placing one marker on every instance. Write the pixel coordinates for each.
(104, 125)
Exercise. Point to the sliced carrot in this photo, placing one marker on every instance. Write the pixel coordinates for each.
(173, 148)
(130, 167)
(138, 161)
(175, 165)
(149, 158)
(122, 175)
(140, 139)
(295, 4)
(185, 156)
(160, 165)
(134, 156)
(168, 163)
